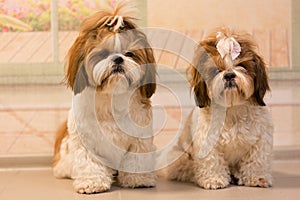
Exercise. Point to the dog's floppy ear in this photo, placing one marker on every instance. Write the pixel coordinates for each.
(148, 83)
(81, 80)
(74, 61)
(199, 86)
(197, 82)
(261, 84)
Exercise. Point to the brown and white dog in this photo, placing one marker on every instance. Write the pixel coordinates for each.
(228, 136)
(112, 58)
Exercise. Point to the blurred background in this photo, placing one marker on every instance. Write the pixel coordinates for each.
(35, 36)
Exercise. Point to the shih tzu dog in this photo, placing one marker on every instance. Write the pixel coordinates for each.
(112, 58)
(228, 136)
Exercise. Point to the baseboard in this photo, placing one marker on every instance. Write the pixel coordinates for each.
(25, 161)
(288, 153)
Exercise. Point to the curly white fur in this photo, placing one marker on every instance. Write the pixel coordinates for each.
(243, 149)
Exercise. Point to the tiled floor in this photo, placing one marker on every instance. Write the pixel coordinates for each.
(40, 184)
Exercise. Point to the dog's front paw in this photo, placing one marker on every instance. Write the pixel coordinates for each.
(213, 183)
(256, 181)
(137, 180)
(91, 185)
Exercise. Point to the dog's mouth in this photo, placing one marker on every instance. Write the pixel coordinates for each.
(117, 68)
(116, 73)
(230, 85)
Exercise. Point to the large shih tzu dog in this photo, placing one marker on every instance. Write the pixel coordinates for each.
(228, 136)
(113, 59)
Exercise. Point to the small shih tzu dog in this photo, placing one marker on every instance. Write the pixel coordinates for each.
(227, 138)
(114, 59)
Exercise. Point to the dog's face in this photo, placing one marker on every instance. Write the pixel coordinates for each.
(109, 68)
(123, 57)
(110, 49)
(230, 78)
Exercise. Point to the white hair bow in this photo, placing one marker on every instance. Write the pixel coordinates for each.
(228, 46)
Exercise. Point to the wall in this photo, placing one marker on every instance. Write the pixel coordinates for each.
(207, 14)
(268, 20)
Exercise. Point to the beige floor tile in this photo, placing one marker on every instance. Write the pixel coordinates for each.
(40, 184)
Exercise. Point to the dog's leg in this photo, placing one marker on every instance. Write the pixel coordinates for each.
(212, 171)
(90, 176)
(131, 179)
(93, 178)
(254, 169)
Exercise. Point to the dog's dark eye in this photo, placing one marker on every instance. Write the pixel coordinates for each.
(242, 67)
(129, 54)
(214, 71)
(104, 54)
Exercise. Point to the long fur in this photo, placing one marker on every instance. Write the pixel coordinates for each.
(91, 62)
(234, 121)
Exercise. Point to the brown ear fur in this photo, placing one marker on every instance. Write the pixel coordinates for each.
(196, 80)
(148, 84)
(199, 86)
(261, 84)
(75, 58)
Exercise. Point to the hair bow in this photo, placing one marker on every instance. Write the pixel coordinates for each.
(228, 46)
(117, 23)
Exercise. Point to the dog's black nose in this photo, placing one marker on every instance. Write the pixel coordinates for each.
(118, 60)
(229, 76)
